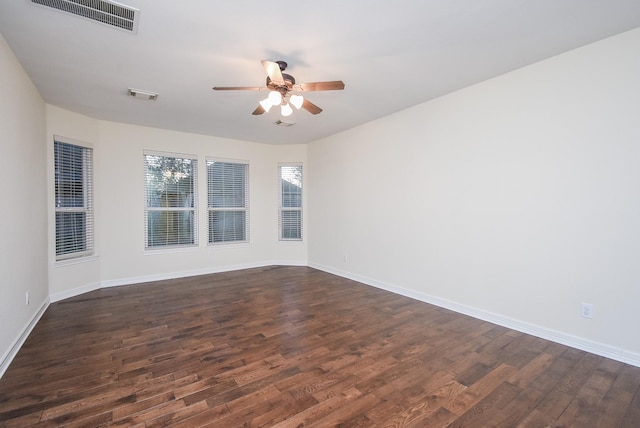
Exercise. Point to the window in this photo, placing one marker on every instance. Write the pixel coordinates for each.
(73, 175)
(170, 192)
(290, 215)
(228, 198)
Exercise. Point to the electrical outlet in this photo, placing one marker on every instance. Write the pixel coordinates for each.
(26, 298)
(586, 310)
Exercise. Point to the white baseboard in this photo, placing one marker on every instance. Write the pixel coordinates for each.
(8, 356)
(206, 271)
(56, 297)
(583, 344)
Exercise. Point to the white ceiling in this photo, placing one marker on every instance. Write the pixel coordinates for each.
(390, 54)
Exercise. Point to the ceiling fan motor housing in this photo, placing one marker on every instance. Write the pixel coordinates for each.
(289, 81)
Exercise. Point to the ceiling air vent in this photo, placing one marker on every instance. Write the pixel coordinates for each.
(104, 11)
(283, 123)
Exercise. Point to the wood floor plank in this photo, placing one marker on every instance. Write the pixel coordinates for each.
(297, 347)
(486, 412)
(619, 395)
(479, 390)
(632, 414)
(422, 402)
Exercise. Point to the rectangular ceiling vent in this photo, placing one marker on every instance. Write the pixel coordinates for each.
(104, 11)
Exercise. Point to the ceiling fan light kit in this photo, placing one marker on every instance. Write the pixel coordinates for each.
(282, 89)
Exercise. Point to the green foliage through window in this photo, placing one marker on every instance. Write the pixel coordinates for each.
(170, 193)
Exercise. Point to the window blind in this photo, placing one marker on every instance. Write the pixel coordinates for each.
(228, 201)
(170, 193)
(73, 182)
(290, 211)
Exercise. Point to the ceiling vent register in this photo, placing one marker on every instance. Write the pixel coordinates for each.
(106, 12)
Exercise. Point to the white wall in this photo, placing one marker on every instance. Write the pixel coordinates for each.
(75, 275)
(23, 236)
(119, 195)
(514, 200)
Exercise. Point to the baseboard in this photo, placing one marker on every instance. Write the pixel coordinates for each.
(184, 274)
(8, 356)
(583, 344)
(56, 297)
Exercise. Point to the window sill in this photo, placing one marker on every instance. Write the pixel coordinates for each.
(225, 245)
(171, 250)
(75, 261)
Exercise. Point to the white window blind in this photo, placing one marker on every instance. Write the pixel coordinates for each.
(228, 201)
(290, 212)
(73, 180)
(170, 193)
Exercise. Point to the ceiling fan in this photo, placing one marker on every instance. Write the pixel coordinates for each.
(283, 88)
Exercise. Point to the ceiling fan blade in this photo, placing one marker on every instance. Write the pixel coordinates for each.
(273, 71)
(334, 85)
(311, 107)
(258, 110)
(238, 88)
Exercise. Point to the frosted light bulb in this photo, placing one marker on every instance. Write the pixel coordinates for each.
(266, 104)
(296, 100)
(286, 110)
(275, 97)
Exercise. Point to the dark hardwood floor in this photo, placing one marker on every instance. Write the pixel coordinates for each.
(296, 347)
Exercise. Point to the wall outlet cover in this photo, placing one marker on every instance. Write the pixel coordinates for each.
(586, 310)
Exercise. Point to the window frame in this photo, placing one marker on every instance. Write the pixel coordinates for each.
(176, 209)
(87, 197)
(290, 209)
(211, 209)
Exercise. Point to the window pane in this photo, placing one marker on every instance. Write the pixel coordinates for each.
(73, 200)
(227, 226)
(170, 228)
(170, 182)
(290, 218)
(291, 195)
(291, 224)
(69, 175)
(227, 201)
(71, 232)
(227, 185)
(170, 188)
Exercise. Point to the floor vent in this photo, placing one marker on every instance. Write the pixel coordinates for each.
(104, 11)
